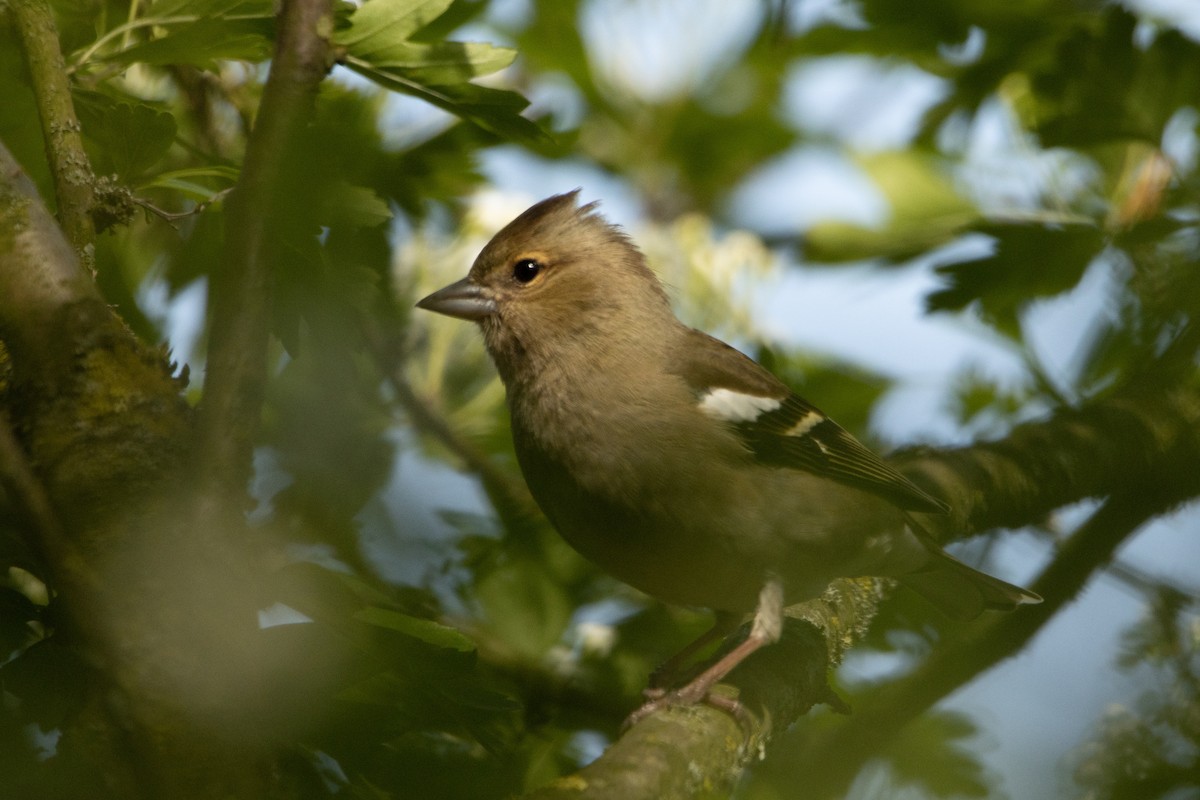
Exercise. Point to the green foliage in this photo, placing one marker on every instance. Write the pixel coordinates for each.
(1028, 263)
(476, 677)
(379, 45)
(1153, 749)
(126, 138)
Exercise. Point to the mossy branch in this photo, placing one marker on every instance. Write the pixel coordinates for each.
(74, 181)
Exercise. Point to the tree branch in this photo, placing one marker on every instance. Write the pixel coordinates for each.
(74, 181)
(39, 276)
(681, 753)
(1094, 451)
(240, 315)
(830, 762)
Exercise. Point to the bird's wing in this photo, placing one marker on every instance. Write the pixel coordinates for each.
(783, 429)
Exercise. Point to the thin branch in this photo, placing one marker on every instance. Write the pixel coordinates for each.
(240, 313)
(74, 181)
(171, 217)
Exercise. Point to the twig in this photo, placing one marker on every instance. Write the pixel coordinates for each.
(172, 216)
(240, 313)
(74, 181)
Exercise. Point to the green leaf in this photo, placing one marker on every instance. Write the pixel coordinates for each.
(194, 181)
(926, 211)
(426, 630)
(127, 137)
(1104, 86)
(378, 24)
(210, 9)
(931, 752)
(441, 62)
(525, 607)
(357, 206)
(203, 43)
(378, 46)
(1029, 262)
(494, 110)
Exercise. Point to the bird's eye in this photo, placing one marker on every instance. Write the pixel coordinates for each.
(526, 270)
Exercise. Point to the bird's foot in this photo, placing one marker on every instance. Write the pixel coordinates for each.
(660, 699)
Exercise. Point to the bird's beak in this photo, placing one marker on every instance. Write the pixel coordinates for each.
(462, 299)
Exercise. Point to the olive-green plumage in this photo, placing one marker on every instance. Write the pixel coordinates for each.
(667, 457)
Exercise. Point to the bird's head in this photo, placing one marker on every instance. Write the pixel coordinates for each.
(557, 274)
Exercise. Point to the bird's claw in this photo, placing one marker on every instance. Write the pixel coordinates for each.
(658, 699)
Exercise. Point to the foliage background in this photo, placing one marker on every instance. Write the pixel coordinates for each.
(939, 220)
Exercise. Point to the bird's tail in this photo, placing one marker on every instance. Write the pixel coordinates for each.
(964, 592)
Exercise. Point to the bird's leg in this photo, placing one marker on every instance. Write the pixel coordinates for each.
(766, 629)
(662, 676)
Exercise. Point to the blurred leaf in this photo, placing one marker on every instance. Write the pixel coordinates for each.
(1029, 262)
(932, 752)
(204, 43)
(356, 205)
(426, 630)
(126, 137)
(1104, 85)
(495, 110)
(984, 406)
(441, 62)
(524, 607)
(194, 181)
(926, 211)
(166, 9)
(706, 161)
(1153, 749)
(50, 682)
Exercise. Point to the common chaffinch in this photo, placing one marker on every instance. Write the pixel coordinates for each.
(673, 461)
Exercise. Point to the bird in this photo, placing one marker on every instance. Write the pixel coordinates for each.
(675, 462)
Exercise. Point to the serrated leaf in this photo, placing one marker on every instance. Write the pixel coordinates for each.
(931, 752)
(203, 43)
(442, 62)
(1029, 261)
(378, 47)
(378, 24)
(426, 630)
(209, 9)
(130, 136)
(356, 205)
(494, 110)
(1103, 85)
